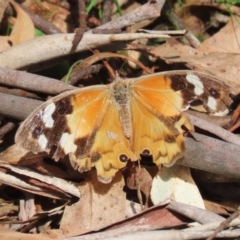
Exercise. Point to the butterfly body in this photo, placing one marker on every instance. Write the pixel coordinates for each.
(107, 125)
(121, 94)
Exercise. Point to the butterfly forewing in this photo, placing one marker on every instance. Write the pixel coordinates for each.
(214, 94)
(62, 120)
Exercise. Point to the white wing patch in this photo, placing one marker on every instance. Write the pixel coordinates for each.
(67, 143)
(195, 80)
(42, 140)
(47, 115)
(212, 103)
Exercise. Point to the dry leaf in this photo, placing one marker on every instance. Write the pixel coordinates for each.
(156, 217)
(174, 51)
(58, 16)
(225, 41)
(53, 13)
(100, 205)
(218, 208)
(222, 65)
(176, 183)
(191, 16)
(23, 29)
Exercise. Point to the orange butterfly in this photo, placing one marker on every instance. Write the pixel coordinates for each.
(107, 125)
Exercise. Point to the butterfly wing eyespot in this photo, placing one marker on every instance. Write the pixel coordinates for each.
(37, 131)
(146, 152)
(123, 158)
(214, 93)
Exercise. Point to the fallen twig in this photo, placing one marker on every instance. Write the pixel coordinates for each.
(216, 130)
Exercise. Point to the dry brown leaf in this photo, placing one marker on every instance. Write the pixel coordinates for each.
(57, 16)
(193, 21)
(225, 41)
(173, 51)
(51, 12)
(225, 66)
(155, 217)
(100, 205)
(23, 29)
(219, 208)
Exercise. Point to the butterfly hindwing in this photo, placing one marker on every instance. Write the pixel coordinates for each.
(111, 150)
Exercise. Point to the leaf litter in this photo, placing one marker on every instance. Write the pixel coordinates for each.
(51, 200)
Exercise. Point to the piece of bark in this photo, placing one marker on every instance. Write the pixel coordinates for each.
(33, 82)
(212, 155)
